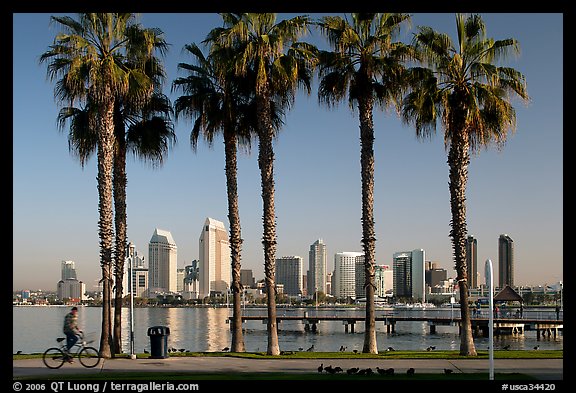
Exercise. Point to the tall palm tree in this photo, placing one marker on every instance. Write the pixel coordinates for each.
(88, 57)
(260, 43)
(470, 93)
(148, 135)
(219, 103)
(366, 67)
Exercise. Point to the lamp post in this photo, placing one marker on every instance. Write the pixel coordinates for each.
(489, 283)
(131, 287)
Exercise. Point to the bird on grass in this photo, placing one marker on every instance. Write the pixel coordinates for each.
(353, 370)
(321, 367)
(410, 371)
(311, 349)
(390, 349)
(537, 347)
(338, 369)
(431, 348)
(225, 349)
(18, 353)
(330, 369)
(146, 351)
(390, 371)
(447, 371)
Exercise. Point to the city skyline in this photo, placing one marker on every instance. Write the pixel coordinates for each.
(518, 190)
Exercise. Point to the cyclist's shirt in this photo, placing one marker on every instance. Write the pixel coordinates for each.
(70, 323)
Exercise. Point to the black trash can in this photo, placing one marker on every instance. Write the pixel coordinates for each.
(158, 341)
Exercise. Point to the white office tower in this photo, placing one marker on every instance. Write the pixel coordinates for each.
(409, 275)
(135, 262)
(345, 274)
(162, 263)
(317, 258)
(68, 270)
(289, 273)
(214, 267)
(191, 276)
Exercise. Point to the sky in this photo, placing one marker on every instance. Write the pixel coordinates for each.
(517, 190)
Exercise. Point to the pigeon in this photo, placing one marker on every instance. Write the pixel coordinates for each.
(353, 370)
(311, 349)
(431, 348)
(338, 369)
(226, 349)
(145, 351)
(410, 371)
(390, 371)
(537, 347)
(18, 353)
(380, 371)
(321, 367)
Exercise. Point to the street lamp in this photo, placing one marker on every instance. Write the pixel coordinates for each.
(489, 283)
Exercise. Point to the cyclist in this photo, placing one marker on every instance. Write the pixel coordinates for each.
(71, 331)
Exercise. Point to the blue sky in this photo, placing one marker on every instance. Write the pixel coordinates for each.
(517, 191)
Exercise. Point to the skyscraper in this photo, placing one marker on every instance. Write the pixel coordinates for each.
(345, 274)
(139, 273)
(317, 258)
(214, 262)
(162, 262)
(409, 276)
(68, 270)
(289, 273)
(505, 261)
(472, 261)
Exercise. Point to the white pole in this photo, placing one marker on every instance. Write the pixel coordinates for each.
(489, 284)
(131, 286)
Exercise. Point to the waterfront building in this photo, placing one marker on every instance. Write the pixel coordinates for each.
(384, 280)
(434, 275)
(247, 278)
(139, 272)
(472, 261)
(289, 274)
(215, 261)
(317, 258)
(345, 274)
(360, 278)
(505, 261)
(409, 276)
(72, 290)
(162, 262)
(191, 277)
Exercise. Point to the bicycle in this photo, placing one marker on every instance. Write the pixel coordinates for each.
(87, 355)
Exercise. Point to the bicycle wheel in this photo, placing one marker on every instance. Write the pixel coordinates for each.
(89, 357)
(53, 358)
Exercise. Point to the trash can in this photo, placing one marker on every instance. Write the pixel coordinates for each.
(158, 341)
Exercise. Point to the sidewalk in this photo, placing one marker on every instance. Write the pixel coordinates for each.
(543, 369)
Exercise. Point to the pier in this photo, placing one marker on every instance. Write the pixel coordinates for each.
(543, 327)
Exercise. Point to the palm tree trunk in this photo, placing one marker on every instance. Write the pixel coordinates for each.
(368, 235)
(458, 160)
(105, 223)
(237, 344)
(120, 183)
(266, 165)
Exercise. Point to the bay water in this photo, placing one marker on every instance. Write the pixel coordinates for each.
(206, 329)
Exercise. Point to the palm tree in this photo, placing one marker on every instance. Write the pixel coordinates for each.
(365, 66)
(259, 44)
(219, 102)
(89, 58)
(470, 93)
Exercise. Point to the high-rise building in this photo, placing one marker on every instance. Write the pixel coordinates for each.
(317, 259)
(68, 270)
(247, 278)
(505, 261)
(384, 279)
(191, 277)
(162, 262)
(139, 272)
(360, 278)
(472, 261)
(345, 274)
(69, 288)
(215, 261)
(289, 273)
(409, 276)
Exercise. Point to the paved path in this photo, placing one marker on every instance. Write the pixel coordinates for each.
(543, 369)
